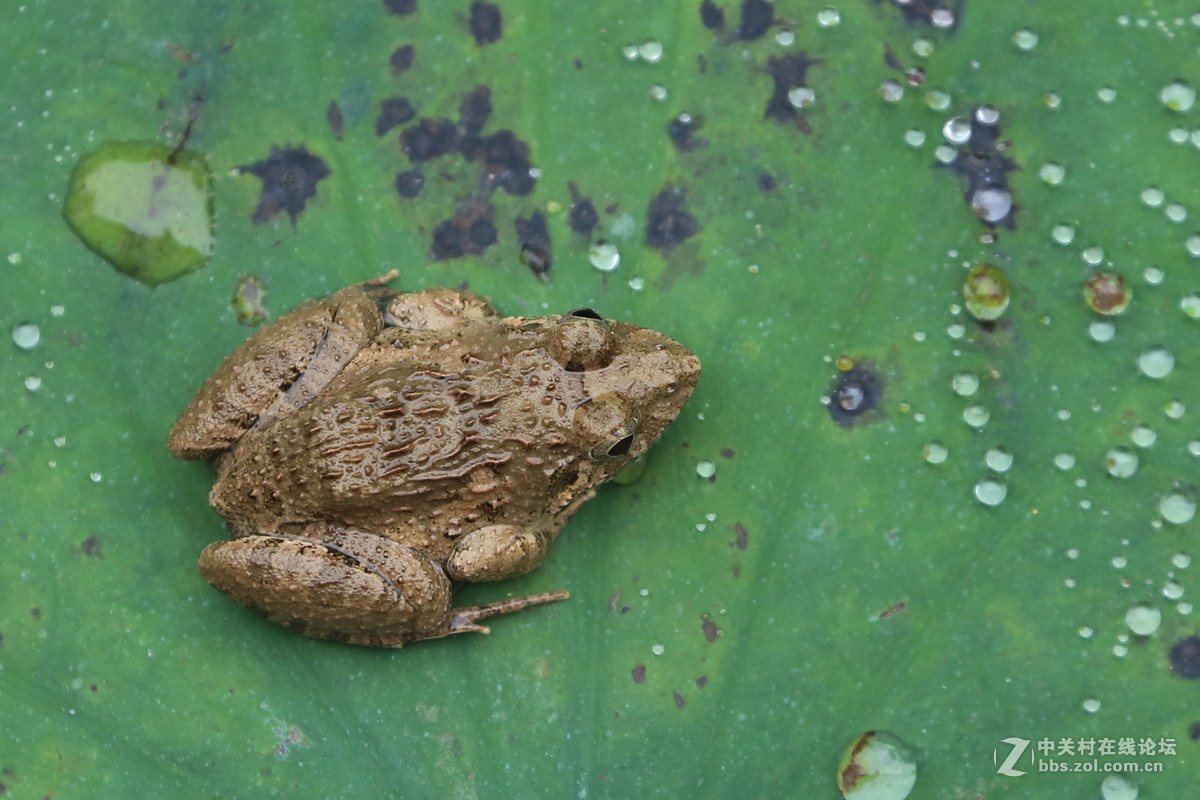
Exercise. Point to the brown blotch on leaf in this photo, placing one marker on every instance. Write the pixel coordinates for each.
(638, 673)
(534, 239)
(289, 178)
(757, 17)
(1184, 657)
(469, 232)
(854, 393)
(409, 183)
(702, 681)
(742, 536)
(788, 72)
(667, 220)
(401, 59)
(91, 547)
(401, 8)
(475, 109)
(505, 162)
(1194, 731)
(711, 631)
(393, 111)
(922, 12)
(429, 139)
(727, 452)
(582, 217)
(711, 15)
(337, 123)
(984, 165)
(679, 701)
(766, 182)
(682, 131)
(485, 23)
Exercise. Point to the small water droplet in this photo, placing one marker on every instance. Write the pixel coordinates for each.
(658, 92)
(1157, 362)
(922, 48)
(33, 383)
(1153, 276)
(1143, 619)
(1190, 305)
(1120, 650)
(976, 416)
(1172, 590)
(96, 477)
(987, 115)
(630, 51)
(1193, 447)
(1174, 409)
(1063, 234)
(1120, 562)
(1118, 787)
(991, 203)
(1091, 705)
(891, 90)
(1052, 100)
(26, 335)
(1176, 212)
(1153, 197)
(935, 452)
(956, 330)
(945, 154)
(1092, 255)
(937, 99)
(1177, 136)
(1086, 632)
(1181, 560)
(877, 766)
(914, 137)
(998, 459)
(957, 130)
(637, 284)
(965, 384)
(1193, 245)
(1102, 331)
(1183, 607)
(1121, 462)
(1025, 39)
(651, 51)
(1143, 436)
(1052, 173)
(802, 97)
(1106, 293)
(706, 469)
(986, 292)
(604, 256)
(785, 38)
(942, 18)
(1064, 461)
(1178, 96)
(1177, 507)
(828, 17)
(657, 649)
(991, 491)
(1107, 94)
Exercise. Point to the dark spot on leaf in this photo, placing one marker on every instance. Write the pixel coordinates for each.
(401, 59)
(401, 8)
(757, 16)
(853, 394)
(1185, 657)
(429, 139)
(35, 612)
(475, 109)
(337, 124)
(90, 547)
(890, 59)
(582, 217)
(469, 232)
(534, 239)
(982, 162)
(667, 220)
(702, 681)
(485, 22)
(1194, 731)
(94, 688)
(393, 111)
(639, 673)
(930, 13)
(505, 162)
(788, 72)
(711, 631)
(289, 178)
(682, 130)
(679, 702)
(409, 183)
(743, 536)
(727, 452)
(766, 182)
(711, 15)
(578, 64)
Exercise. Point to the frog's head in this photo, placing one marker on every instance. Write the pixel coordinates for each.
(631, 383)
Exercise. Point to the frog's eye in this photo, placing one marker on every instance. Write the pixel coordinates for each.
(618, 444)
(582, 340)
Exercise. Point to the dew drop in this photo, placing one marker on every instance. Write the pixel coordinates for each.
(914, 137)
(1143, 436)
(935, 452)
(891, 91)
(657, 649)
(985, 292)
(1092, 255)
(630, 51)
(1157, 362)
(706, 469)
(1064, 461)
(26, 335)
(957, 130)
(922, 48)
(1176, 212)
(1063, 234)
(802, 97)
(1190, 306)
(937, 99)
(965, 384)
(956, 330)
(1178, 96)
(1052, 100)
(1153, 276)
(1118, 787)
(828, 17)
(1143, 619)
(1193, 447)
(1106, 293)
(945, 154)
(1193, 245)
(1102, 331)
(604, 256)
(1177, 507)
(877, 766)
(975, 416)
(998, 459)
(1025, 39)
(1052, 173)
(1172, 590)
(651, 51)
(1121, 462)
(1085, 632)
(1091, 705)
(1107, 94)
(1177, 135)
(991, 203)
(96, 477)
(33, 383)
(1174, 409)
(1153, 197)
(658, 92)
(1181, 560)
(991, 491)
(942, 18)
(637, 284)
(785, 38)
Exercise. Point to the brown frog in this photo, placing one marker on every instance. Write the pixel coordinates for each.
(374, 447)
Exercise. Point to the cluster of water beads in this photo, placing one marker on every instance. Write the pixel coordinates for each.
(650, 51)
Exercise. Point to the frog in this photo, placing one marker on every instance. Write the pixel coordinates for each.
(376, 450)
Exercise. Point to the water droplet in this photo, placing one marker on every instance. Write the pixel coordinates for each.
(1177, 136)
(1106, 293)
(785, 38)
(1052, 173)
(1064, 461)
(985, 292)
(828, 17)
(1172, 590)
(1178, 96)
(630, 51)
(1063, 234)
(1157, 362)
(657, 649)
(637, 284)
(1121, 462)
(1092, 255)
(1091, 705)
(991, 491)
(957, 130)
(935, 452)
(945, 154)
(1190, 306)
(604, 256)
(998, 459)
(1118, 787)
(658, 92)
(1143, 436)
(1120, 562)
(57, 310)
(1153, 276)
(1193, 244)
(914, 137)
(937, 99)
(96, 477)
(964, 384)
(1181, 560)
(1143, 619)
(877, 766)
(144, 208)
(26, 335)
(1107, 94)
(891, 90)
(1153, 197)
(1102, 331)
(956, 330)
(706, 469)
(1052, 100)
(802, 97)
(942, 18)
(1025, 39)
(33, 383)
(987, 115)
(975, 416)
(1177, 507)
(1183, 607)
(922, 48)
(651, 51)
(991, 203)
(1193, 447)
(1120, 650)
(1174, 409)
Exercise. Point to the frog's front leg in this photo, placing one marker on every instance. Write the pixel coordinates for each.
(280, 367)
(497, 552)
(345, 585)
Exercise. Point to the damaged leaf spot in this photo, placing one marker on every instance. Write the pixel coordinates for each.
(711, 631)
(475, 109)
(679, 701)
(1184, 657)
(401, 8)
(337, 124)
(766, 182)
(505, 162)
(248, 301)
(788, 72)
(667, 220)
(485, 23)
(429, 139)
(289, 178)
(682, 131)
(534, 239)
(982, 162)
(925, 12)
(409, 183)
(393, 111)
(757, 16)
(856, 391)
(711, 15)
(469, 232)
(638, 673)
(401, 59)
(91, 548)
(743, 536)
(582, 217)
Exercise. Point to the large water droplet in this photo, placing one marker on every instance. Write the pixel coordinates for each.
(1143, 436)
(998, 459)
(1178, 96)
(802, 97)
(1157, 362)
(991, 491)
(1143, 619)
(975, 416)
(1178, 507)
(935, 452)
(985, 292)
(877, 766)
(1153, 197)
(144, 208)
(1121, 462)
(964, 384)
(957, 130)
(991, 203)
(1052, 173)
(26, 335)
(1025, 39)
(604, 256)
(828, 17)
(1118, 787)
